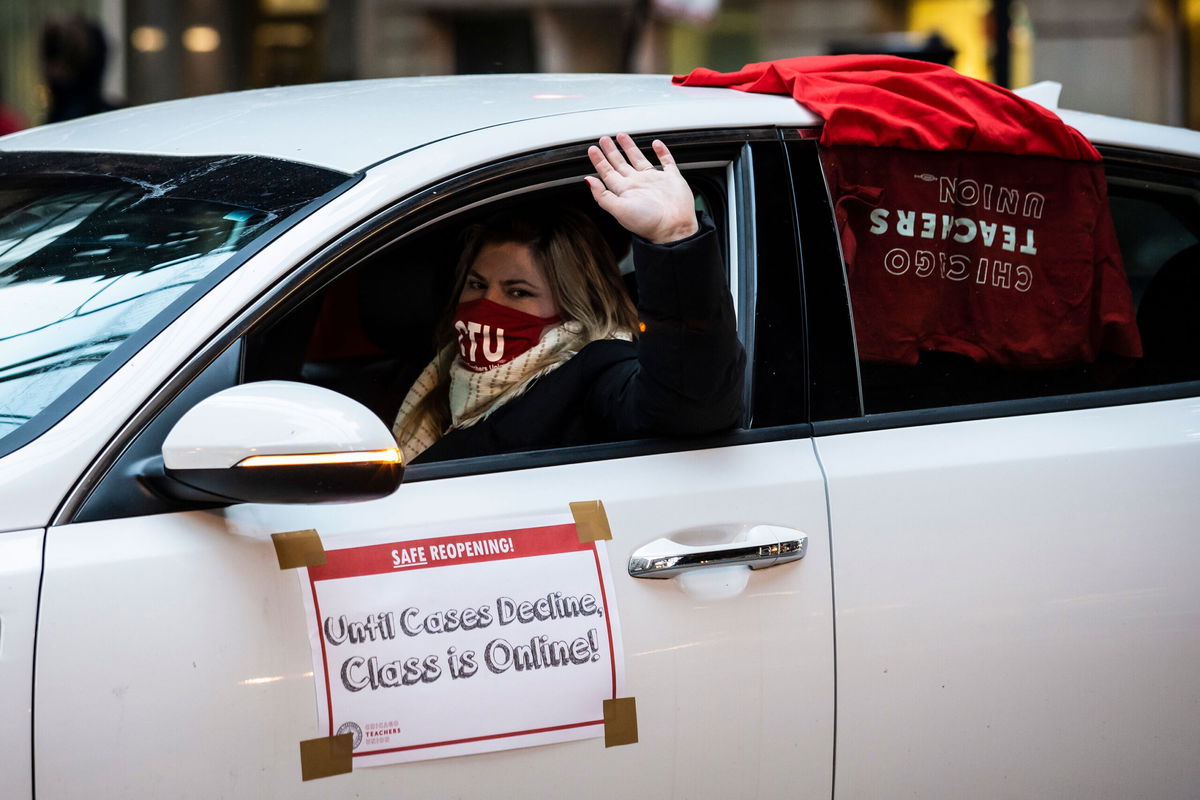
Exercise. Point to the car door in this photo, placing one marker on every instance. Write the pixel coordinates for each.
(1016, 594)
(176, 648)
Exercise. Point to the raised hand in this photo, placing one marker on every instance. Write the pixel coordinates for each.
(655, 204)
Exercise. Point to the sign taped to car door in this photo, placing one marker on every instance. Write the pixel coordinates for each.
(463, 641)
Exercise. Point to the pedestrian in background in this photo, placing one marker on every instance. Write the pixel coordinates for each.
(74, 54)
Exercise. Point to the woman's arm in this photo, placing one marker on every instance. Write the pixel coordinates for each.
(688, 376)
(687, 379)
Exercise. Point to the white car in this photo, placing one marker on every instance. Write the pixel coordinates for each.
(1000, 594)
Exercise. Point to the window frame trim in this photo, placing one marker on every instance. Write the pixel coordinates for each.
(1027, 406)
(808, 235)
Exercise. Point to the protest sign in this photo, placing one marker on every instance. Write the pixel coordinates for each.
(463, 641)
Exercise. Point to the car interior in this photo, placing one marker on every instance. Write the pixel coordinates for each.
(370, 332)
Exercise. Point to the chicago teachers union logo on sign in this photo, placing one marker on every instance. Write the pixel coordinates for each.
(352, 728)
(464, 642)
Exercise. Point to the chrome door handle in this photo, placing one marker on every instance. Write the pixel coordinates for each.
(759, 547)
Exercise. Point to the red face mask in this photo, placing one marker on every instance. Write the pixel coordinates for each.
(490, 334)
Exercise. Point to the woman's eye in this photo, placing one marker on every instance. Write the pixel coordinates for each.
(522, 293)
(475, 284)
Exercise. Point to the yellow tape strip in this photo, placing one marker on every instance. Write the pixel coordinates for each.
(620, 722)
(321, 758)
(298, 549)
(591, 523)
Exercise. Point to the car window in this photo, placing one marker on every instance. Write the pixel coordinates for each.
(1136, 298)
(93, 249)
(369, 333)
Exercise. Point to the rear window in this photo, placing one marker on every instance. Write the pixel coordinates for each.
(977, 278)
(98, 253)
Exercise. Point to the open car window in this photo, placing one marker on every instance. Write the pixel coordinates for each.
(360, 317)
(369, 333)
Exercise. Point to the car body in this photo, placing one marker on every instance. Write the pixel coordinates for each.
(999, 598)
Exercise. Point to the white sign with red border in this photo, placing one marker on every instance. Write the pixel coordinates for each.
(463, 642)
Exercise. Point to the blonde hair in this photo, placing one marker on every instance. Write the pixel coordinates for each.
(581, 273)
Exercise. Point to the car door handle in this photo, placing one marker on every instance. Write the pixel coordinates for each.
(759, 547)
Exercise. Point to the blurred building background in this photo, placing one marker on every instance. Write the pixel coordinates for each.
(1133, 58)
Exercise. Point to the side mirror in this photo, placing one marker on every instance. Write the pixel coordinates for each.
(278, 442)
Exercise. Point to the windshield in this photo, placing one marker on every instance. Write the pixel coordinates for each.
(91, 252)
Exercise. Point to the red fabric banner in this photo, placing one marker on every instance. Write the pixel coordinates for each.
(972, 221)
(886, 101)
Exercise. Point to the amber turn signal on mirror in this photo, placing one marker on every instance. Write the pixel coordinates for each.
(390, 455)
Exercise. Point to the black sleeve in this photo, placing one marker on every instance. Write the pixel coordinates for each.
(687, 378)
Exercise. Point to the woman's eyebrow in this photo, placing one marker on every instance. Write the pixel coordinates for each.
(515, 281)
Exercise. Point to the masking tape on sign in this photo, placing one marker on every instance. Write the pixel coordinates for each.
(591, 523)
(620, 722)
(331, 755)
(298, 549)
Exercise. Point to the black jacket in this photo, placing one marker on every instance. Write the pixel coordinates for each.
(683, 376)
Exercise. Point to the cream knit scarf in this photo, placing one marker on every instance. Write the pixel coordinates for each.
(475, 395)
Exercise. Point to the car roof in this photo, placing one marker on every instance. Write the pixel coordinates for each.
(352, 125)
(1104, 130)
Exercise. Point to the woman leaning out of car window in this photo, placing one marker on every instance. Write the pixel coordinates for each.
(545, 347)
